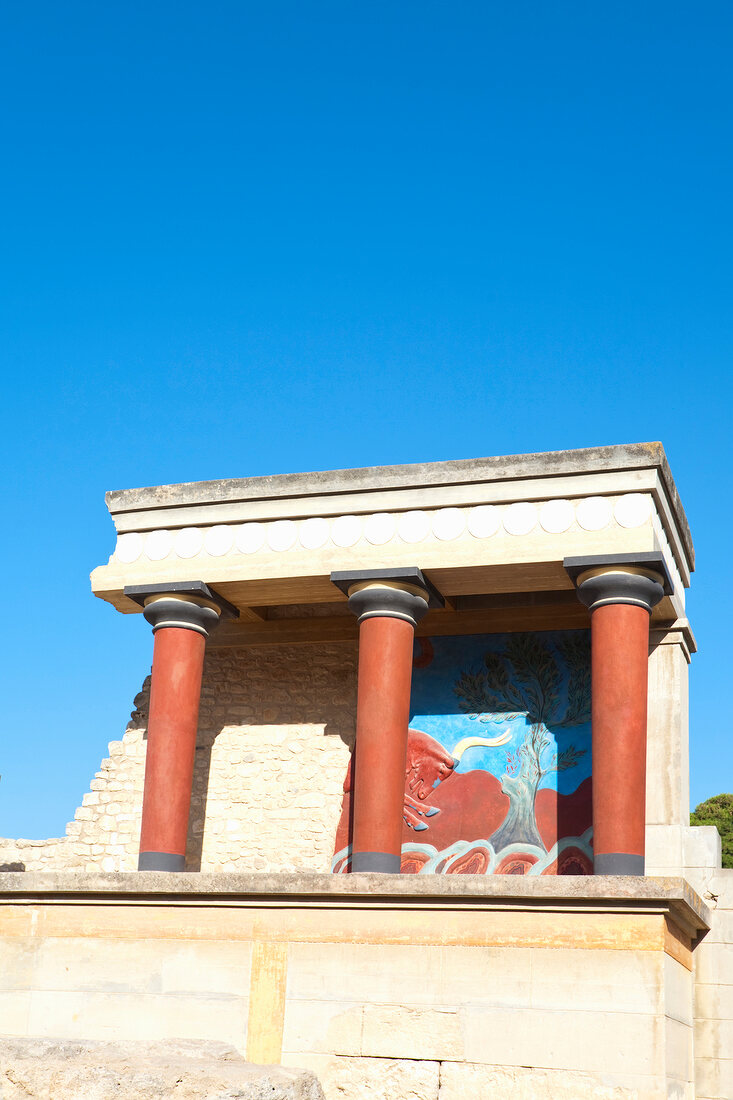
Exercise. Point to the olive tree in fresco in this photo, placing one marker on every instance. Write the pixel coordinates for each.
(529, 679)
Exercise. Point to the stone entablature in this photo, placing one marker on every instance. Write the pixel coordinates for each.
(205, 547)
(477, 526)
(637, 468)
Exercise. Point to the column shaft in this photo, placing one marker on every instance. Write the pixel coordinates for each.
(382, 719)
(620, 591)
(178, 658)
(388, 603)
(620, 657)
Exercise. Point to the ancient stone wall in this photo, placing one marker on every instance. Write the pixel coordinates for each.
(275, 730)
(420, 987)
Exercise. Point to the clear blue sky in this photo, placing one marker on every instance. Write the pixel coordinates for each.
(245, 238)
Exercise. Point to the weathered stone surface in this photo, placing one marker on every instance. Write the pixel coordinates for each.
(377, 1078)
(468, 1081)
(574, 891)
(45, 1068)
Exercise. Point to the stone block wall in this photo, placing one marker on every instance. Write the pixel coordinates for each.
(419, 988)
(713, 965)
(275, 733)
(276, 728)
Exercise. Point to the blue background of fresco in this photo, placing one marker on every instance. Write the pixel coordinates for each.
(435, 709)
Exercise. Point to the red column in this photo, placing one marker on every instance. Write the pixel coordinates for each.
(181, 617)
(382, 719)
(389, 604)
(178, 661)
(620, 658)
(620, 597)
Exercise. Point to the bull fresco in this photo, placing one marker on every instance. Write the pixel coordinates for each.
(498, 770)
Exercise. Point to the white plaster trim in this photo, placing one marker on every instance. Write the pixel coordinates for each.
(188, 542)
(380, 528)
(632, 510)
(546, 519)
(557, 516)
(314, 533)
(413, 526)
(219, 540)
(281, 535)
(129, 548)
(669, 557)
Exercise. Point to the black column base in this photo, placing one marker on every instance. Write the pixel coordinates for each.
(618, 863)
(381, 862)
(161, 861)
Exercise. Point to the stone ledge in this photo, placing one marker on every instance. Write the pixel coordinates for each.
(669, 895)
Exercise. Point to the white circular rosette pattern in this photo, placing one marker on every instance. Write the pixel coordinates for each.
(540, 519)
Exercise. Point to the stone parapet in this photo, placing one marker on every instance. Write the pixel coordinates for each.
(382, 985)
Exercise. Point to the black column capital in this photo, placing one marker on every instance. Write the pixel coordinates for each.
(641, 579)
(188, 605)
(388, 593)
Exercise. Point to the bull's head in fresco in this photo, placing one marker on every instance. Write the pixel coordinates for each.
(428, 764)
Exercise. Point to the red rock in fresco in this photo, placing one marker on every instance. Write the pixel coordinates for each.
(518, 863)
(473, 862)
(571, 861)
(424, 653)
(560, 815)
(342, 866)
(472, 806)
(343, 831)
(413, 862)
(427, 764)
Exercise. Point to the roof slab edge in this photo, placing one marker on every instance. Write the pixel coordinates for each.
(619, 457)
